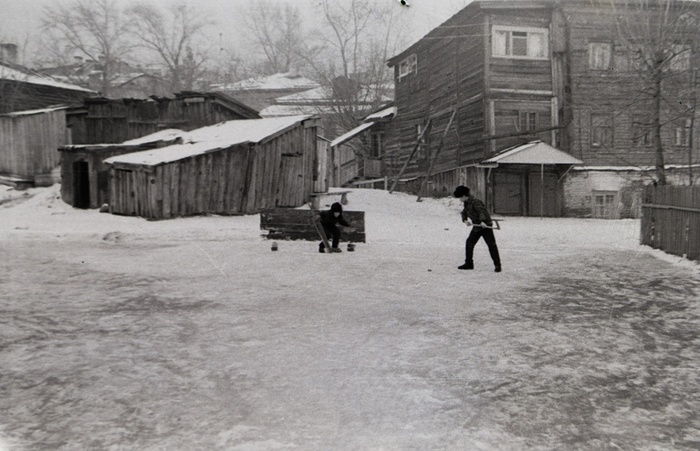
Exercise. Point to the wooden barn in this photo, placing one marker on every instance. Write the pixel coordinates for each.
(22, 89)
(28, 143)
(236, 167)
(102, 120)
(84, 176)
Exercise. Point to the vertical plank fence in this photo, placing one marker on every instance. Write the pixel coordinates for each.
(671, 220)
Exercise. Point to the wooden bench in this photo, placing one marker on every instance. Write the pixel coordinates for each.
(316, 198)
(294, 224)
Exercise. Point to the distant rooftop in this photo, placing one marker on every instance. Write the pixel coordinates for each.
(8, 73)
(280, 81)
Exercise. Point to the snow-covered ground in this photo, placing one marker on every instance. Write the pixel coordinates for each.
(122, 333)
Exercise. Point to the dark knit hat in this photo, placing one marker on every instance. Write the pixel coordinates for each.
(461, 190)
(337, 207)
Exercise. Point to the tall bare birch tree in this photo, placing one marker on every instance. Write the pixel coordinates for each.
(660, 36)
(277, 32)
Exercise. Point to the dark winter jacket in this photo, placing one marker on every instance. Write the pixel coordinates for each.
(475, 211)
(328, 219)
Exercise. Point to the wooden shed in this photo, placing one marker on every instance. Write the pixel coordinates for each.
(28, 143)
(102, 120)
(236, 167)
(84, 176)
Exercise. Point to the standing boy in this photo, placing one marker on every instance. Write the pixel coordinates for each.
(329, 221)
(475, 211)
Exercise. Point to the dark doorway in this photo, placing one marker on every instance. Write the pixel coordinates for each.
(81, 184)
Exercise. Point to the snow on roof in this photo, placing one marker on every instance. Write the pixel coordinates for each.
(208, 139)
(320, 93)
(387, 112)
(631, 168)
(294, 110)
(279, 81)
(535, 152)
(31, 112)
(351, 134)
(7, 73)
(169, 134)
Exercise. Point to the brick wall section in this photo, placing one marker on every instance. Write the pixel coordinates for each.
(580, 185)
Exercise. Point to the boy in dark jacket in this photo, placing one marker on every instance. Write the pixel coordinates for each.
(475, 211)
(329, 221)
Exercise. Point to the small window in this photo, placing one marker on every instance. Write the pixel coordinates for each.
(376, 144)
(599, 55)
(408, 66)
(601, 131)
(513, 42)
(604, 204)
(528, 121)
(641, 132)
(683, 134)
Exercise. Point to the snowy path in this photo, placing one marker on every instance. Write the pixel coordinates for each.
(192, 334)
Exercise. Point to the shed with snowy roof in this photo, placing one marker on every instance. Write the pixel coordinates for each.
(28, 143)
(235, 167)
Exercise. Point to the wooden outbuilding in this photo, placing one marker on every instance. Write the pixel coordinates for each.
(28, 143)
(236, 167)
(85, 177)
(102, 120)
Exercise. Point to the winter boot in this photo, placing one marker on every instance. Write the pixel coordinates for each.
(467, 265)
(322, 248)
(336, 249)
(498, 268)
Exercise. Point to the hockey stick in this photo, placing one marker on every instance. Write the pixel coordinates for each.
(496, 226)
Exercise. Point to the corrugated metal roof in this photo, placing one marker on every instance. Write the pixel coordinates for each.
(536, 152)
(208, 139)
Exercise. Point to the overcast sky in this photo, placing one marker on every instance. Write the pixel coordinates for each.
(20, 18)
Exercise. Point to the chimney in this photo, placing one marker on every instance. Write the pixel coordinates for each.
(8, 53)
(78, 59)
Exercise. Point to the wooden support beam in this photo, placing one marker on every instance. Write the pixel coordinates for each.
(410, 157)
(434, 159)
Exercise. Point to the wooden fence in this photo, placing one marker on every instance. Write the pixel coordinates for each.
(671, 220)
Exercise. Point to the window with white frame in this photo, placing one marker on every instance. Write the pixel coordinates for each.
(683, 134)
(601, 131)
(520, 42)
(528, 121)
(599, 55)
(604, 204)
(408, 66)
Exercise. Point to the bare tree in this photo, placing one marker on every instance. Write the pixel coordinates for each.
(96, 29)
(177, 37)
(349, 57)
(659, 36)
(277, 30)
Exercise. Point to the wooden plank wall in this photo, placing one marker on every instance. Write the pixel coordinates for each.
(118, 120)
(238, 180)
(30, 143)
(671, 220)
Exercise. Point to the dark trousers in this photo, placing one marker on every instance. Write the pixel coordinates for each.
(476, 233)
(333, 235)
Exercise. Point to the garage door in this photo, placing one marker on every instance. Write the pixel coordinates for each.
(507, 199)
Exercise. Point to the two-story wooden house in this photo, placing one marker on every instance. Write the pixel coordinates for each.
(527, 103)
